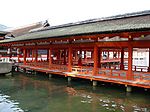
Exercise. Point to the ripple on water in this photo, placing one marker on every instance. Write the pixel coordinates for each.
(7, 105)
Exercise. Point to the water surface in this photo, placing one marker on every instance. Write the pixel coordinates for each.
(27, 93)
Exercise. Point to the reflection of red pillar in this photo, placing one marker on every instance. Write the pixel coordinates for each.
(122, 59)
(70, 59)
(95, 71)
(149, 61)
(130, 52)
(24, 56)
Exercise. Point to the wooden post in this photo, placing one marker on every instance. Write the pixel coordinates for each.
(80, 58)
(28, 53)
(108, 54)
(32, 55)
(149, 61)
(95, 71)
(47, 55)
(70, 59)
(18, 55)
(50, 58)
(24, 56)
(64, 56)
(99, 57)
(36, 55)
(122, 59)
(130, 52)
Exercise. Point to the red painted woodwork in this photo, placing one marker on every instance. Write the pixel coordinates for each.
(95, 71)
(70, 59)
(122, 59)
(24, 56)
(50, 58)
(130, 52)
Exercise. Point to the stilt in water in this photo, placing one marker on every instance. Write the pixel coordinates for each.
(8, 74)
(69, 79)
(24, 70)
(49, 76)
(94, 83)
(128, 88)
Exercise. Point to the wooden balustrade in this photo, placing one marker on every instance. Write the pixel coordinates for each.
(87, 70)
(142, 76)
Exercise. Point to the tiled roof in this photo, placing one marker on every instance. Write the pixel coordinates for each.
(120, 23)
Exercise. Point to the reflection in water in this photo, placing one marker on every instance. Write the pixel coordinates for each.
(38, 94)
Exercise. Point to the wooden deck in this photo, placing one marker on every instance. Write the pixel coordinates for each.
(140, 79)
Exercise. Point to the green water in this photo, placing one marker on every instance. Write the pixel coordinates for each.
(26, 93)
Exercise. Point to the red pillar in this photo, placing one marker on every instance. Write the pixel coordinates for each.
(36, 55)
(27, 53)
(32, 55)
(108, 54)
(130, 52)
(80, 58)
(70, 59)
(47, 54)
(149, 61)
(95, 69)
(64, 56)
(18, 55)
(50, 58)
(99, 57)
(24, 56)
(122, 59)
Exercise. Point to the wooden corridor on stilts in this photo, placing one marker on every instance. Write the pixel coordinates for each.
(100, 50)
